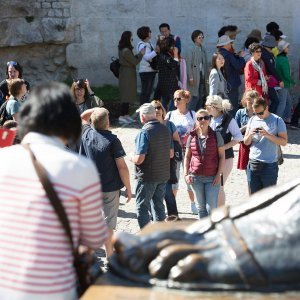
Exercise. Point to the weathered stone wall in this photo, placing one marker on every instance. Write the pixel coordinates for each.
(56, 39)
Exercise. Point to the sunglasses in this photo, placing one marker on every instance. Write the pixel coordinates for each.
(260, 113)
(12, 63)
(206, 118)
(257, 51)
(157, 107)
(178, 99)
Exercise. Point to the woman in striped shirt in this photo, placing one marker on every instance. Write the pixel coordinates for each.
(36, 261)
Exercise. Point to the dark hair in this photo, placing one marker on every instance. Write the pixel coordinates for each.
(214, 59)
(260, 101)
(166, 44)
(250, 40)
(253, 47)
(164, 25)
(125, 41)
(143, 32)
(10, 124)
(222, 31)
(50, 110)
(277, 34)
(195, 34)
(79, 83)
(272, 26)
(17, 66)
(15, 85)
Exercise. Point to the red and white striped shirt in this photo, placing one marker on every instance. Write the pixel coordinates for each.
(35, 254)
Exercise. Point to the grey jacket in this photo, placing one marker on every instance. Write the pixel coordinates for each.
(196, 57)
(217, 84)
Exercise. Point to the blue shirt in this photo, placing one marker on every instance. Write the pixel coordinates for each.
(242, 117)
(13, 106)
(262, 149)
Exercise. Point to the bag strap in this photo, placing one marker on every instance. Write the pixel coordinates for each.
(53, 197)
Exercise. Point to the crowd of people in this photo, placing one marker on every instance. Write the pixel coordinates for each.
(190, 128)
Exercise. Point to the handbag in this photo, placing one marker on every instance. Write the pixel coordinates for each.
(115, 66)
(86, 264)
(178, 154)
(154, 61)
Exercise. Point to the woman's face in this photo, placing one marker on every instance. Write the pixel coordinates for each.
(212, 110)
(179, 101)
(257, 54)
(12, 72)
(79, 92)
(203, 120)
(220, 61)
(158, 111)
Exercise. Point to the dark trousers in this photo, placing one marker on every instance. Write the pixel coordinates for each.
(273, 98)
(124, 108)
(233, 96)
(296, 114)
(170, 201)
(147, 82)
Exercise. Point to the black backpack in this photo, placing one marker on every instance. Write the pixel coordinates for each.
(115, 66)
(4, 116)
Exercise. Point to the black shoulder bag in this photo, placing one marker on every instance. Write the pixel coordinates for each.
(86, 264)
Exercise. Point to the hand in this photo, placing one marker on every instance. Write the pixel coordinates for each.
(281, 84)
(217, 179)
(191, 81)
(87, 83)
(157, 49)
(175, 52)
(263, 132)
(128, 195)
(188, 179)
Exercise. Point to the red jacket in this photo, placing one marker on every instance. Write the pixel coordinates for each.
(206, 164)
(252, 77)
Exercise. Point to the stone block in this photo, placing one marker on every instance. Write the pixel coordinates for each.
(46, 5)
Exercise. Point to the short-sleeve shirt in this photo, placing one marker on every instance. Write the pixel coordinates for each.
(103, 148)
(13, 106)
(262, 149)
(184, 123)
(242, 117)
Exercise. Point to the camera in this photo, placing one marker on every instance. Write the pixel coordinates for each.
(258, 129)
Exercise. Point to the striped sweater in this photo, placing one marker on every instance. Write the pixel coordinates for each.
(35, 255)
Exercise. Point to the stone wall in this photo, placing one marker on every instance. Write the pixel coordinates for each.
(59, 39)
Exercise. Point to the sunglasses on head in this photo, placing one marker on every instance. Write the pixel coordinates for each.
(206, 118)
(178, 99)
(157, 107)
(11, 63)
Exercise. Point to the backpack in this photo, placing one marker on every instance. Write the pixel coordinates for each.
(115, 66)
(4, 116)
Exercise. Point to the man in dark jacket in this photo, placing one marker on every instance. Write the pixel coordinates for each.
(268, 43)
(152, 170)
(234, 64)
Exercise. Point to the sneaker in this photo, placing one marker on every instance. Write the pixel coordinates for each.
(295, 126)
(129, 119)
(194, 208)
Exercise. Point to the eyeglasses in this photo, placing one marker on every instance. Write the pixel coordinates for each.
(260, 113)
(178, 99)
(206, 118)
(209, 106)
(11, 63)
(257, 51)
(201, 36)
(157, 107)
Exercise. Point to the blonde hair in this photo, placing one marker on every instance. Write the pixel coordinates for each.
(99, 118)
(202, 111)
(153, 102)
(220, 104)
(249, 94)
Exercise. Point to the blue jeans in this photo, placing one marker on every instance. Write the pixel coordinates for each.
(170, 200)
(285, 104)
(150, 196)
(273, 98)
(263, 178)
(147, 82)
(206, 194)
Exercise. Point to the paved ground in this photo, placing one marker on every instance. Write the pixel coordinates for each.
(235, 188)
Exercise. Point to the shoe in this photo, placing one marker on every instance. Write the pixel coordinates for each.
(194, 208)
(129, 119)
(295, 126)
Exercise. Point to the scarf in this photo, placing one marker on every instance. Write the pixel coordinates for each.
(258, 68)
